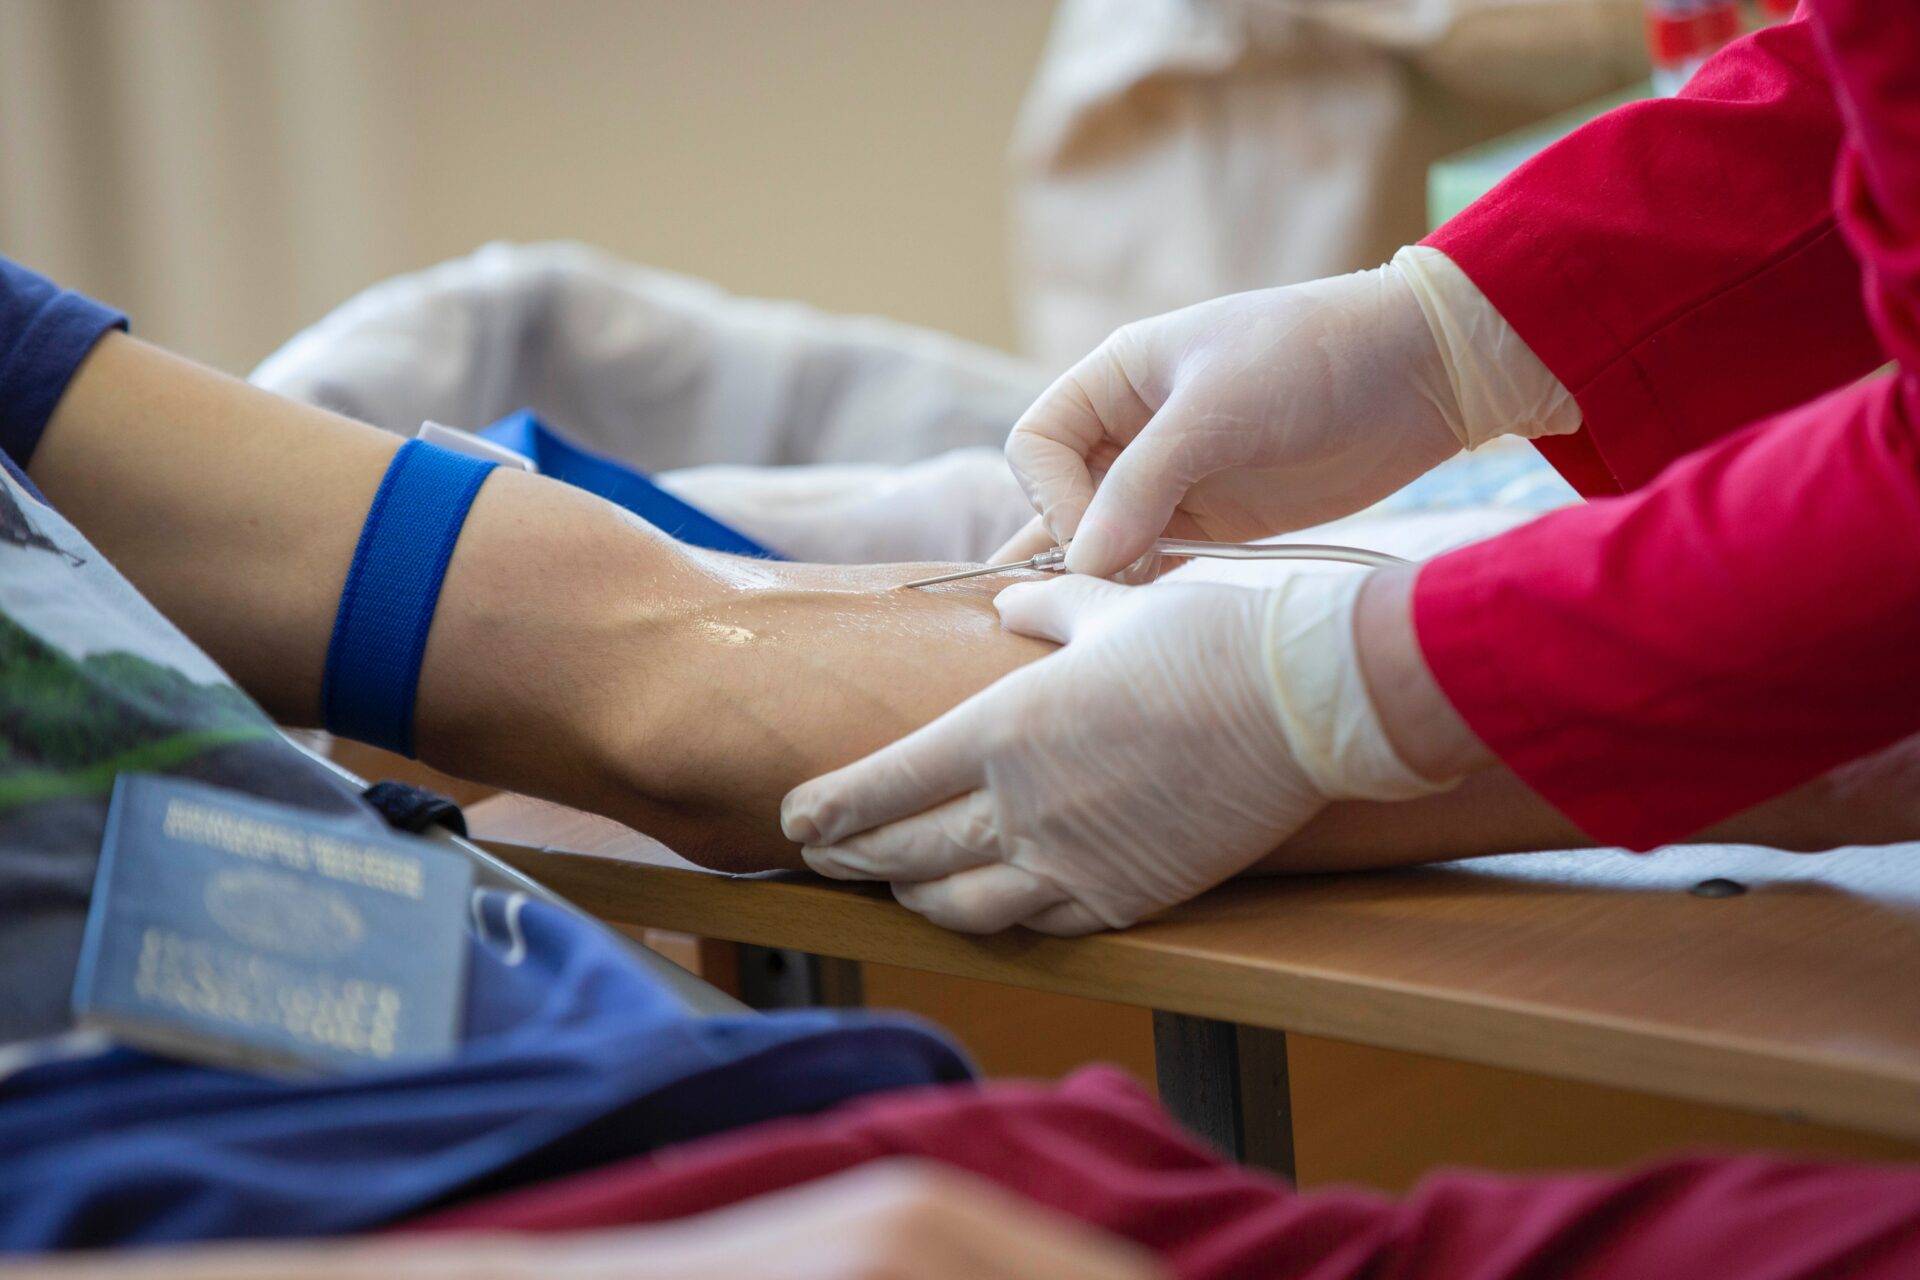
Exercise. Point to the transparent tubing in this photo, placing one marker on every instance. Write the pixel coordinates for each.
(1192, 547)
(1198, 548)
(1141, 570)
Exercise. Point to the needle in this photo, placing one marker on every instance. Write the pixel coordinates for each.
(1180, 547)
(1045, 560)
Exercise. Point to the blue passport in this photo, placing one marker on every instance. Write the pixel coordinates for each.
(239, 932)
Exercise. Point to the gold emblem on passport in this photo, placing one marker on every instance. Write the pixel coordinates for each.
(281, 914)
(242, 932)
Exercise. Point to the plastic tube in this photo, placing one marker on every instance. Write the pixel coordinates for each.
(1191, 547)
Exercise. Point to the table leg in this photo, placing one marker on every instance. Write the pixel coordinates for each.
(1228, 1084)
(778, 978)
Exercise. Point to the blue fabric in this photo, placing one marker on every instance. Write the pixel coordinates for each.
(45, 332)
(21, 478)
(379, 639)
(556, 456)
(573, 1056)
(1513, 478)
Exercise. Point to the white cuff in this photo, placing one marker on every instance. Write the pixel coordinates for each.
(1499, 385)
(1321, 697)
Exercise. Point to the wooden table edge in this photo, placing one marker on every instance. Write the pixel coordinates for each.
(824, 919)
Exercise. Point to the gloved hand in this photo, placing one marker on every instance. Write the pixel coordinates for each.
(1264, 412)
(1182, 733)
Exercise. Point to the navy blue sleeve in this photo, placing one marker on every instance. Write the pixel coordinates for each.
(45, 332)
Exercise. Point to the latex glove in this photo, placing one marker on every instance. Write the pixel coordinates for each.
(1269, 411)
(1181, 733)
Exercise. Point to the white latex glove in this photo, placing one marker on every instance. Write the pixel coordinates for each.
(1269, 411)
(1183, 732)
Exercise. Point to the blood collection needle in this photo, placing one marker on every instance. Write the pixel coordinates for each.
(1189, 547)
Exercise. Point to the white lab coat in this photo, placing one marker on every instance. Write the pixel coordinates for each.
(1171, 151)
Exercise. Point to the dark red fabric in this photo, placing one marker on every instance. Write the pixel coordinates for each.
(1097, 1148)
(1654, 662)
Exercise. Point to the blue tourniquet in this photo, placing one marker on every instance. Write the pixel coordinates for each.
(555, 456)
(393, 585)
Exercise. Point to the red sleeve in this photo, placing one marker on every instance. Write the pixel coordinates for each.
(1652, 663)
(1676, 262)
(1096, 1148)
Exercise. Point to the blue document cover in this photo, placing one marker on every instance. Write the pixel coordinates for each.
(240, 932)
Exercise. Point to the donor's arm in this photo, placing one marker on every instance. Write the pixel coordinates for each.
(579, 655)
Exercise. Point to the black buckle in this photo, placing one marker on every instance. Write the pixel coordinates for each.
(410, 808)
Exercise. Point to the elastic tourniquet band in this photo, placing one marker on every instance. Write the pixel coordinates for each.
(386, 607)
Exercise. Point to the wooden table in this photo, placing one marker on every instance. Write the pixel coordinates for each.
(1797, 995)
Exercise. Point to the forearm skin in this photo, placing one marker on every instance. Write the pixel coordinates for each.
(581, 656)
(233, 511)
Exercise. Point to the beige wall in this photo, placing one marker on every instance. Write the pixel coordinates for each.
(227, 170)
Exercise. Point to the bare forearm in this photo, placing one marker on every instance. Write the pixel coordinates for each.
(1491, 811)
(580, 656)
(895, 1217)
(297, 1260)
(1875, 800)
(1422, 725)
(236, 512)
(575, 653)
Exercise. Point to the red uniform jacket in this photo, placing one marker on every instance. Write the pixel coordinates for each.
(1737, 610)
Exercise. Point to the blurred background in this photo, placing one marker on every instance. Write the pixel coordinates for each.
(228, 170)
(1021, 174)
